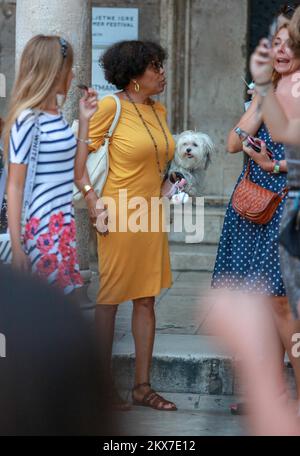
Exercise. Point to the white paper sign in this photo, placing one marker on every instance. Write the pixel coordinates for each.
(110, 25)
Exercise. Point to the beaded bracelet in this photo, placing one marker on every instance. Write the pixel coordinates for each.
(85, 141)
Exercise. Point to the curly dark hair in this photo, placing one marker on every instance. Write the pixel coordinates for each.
(126, 60)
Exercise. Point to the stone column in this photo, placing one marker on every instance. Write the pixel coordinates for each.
(175, 37)
(167, 35)
(71, 20)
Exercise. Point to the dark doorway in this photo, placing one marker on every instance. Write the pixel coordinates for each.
(261, 15)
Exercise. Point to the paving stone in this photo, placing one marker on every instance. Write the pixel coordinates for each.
(197, 415)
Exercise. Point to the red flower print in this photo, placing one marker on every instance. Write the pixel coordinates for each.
(45, 243)
(72, 227)
(31, 228)
(56, 223)
(73, 257)
(46, 265)
(71, 230)
(64, 276)
(64, 243)
(76, 278)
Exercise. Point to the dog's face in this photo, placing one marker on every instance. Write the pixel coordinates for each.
(193, 150)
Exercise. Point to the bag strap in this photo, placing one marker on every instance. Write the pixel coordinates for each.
(247, 173)
(2, 185)
(117, 114)
(31, 172)
(282, 192)
(31, 169)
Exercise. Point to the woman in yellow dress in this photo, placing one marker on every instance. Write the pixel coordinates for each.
(134, 262)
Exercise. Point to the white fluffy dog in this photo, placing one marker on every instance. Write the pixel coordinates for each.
(192, 158)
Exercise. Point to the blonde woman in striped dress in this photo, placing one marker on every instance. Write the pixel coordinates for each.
(48, 244)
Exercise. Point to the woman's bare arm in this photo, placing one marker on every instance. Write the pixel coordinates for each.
(84, 179)
(82, 152)
(282, 129)
(250, 122)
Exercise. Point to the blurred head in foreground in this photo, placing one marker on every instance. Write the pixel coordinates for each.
(245, 325)
(50, 379)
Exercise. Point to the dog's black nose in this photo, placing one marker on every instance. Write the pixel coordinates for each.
(189, 150)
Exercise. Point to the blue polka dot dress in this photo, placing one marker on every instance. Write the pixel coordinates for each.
(248, 254)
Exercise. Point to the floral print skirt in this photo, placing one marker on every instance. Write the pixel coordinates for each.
(50, 236)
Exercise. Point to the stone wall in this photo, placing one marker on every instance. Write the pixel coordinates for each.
(207, 46)
(7, 52)
(218, 60)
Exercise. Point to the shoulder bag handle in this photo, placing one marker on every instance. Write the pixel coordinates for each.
(117, 115)
(32, 166)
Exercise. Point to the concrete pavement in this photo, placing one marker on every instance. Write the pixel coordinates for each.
(197, 415)
(189, 365)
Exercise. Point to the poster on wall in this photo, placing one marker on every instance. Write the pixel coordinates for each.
(110, 25)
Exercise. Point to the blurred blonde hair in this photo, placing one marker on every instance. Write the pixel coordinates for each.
(42, 68)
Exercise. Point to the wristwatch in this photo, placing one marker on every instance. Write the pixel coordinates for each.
(276, 169)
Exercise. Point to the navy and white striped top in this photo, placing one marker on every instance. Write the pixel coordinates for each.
(57, 146)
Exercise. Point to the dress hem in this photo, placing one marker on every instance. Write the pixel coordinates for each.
(144, 295)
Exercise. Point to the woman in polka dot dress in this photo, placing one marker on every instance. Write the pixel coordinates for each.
(248, 256)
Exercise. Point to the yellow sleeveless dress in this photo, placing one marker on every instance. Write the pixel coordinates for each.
(134, 258)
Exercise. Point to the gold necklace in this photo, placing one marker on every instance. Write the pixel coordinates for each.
(161, 172)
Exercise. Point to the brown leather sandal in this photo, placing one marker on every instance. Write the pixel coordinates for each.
(153, 400)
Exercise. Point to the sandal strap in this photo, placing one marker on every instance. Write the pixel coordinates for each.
(140, 385)
(147, 399)
(154, 399)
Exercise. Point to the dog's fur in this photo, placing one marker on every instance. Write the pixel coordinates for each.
(192, 158)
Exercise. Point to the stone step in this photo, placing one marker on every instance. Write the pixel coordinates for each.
(182, 364)
(209, 223)
(216, 201)
(193, 257)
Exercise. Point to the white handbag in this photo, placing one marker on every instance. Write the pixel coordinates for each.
(98, 162)
(5, 243)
